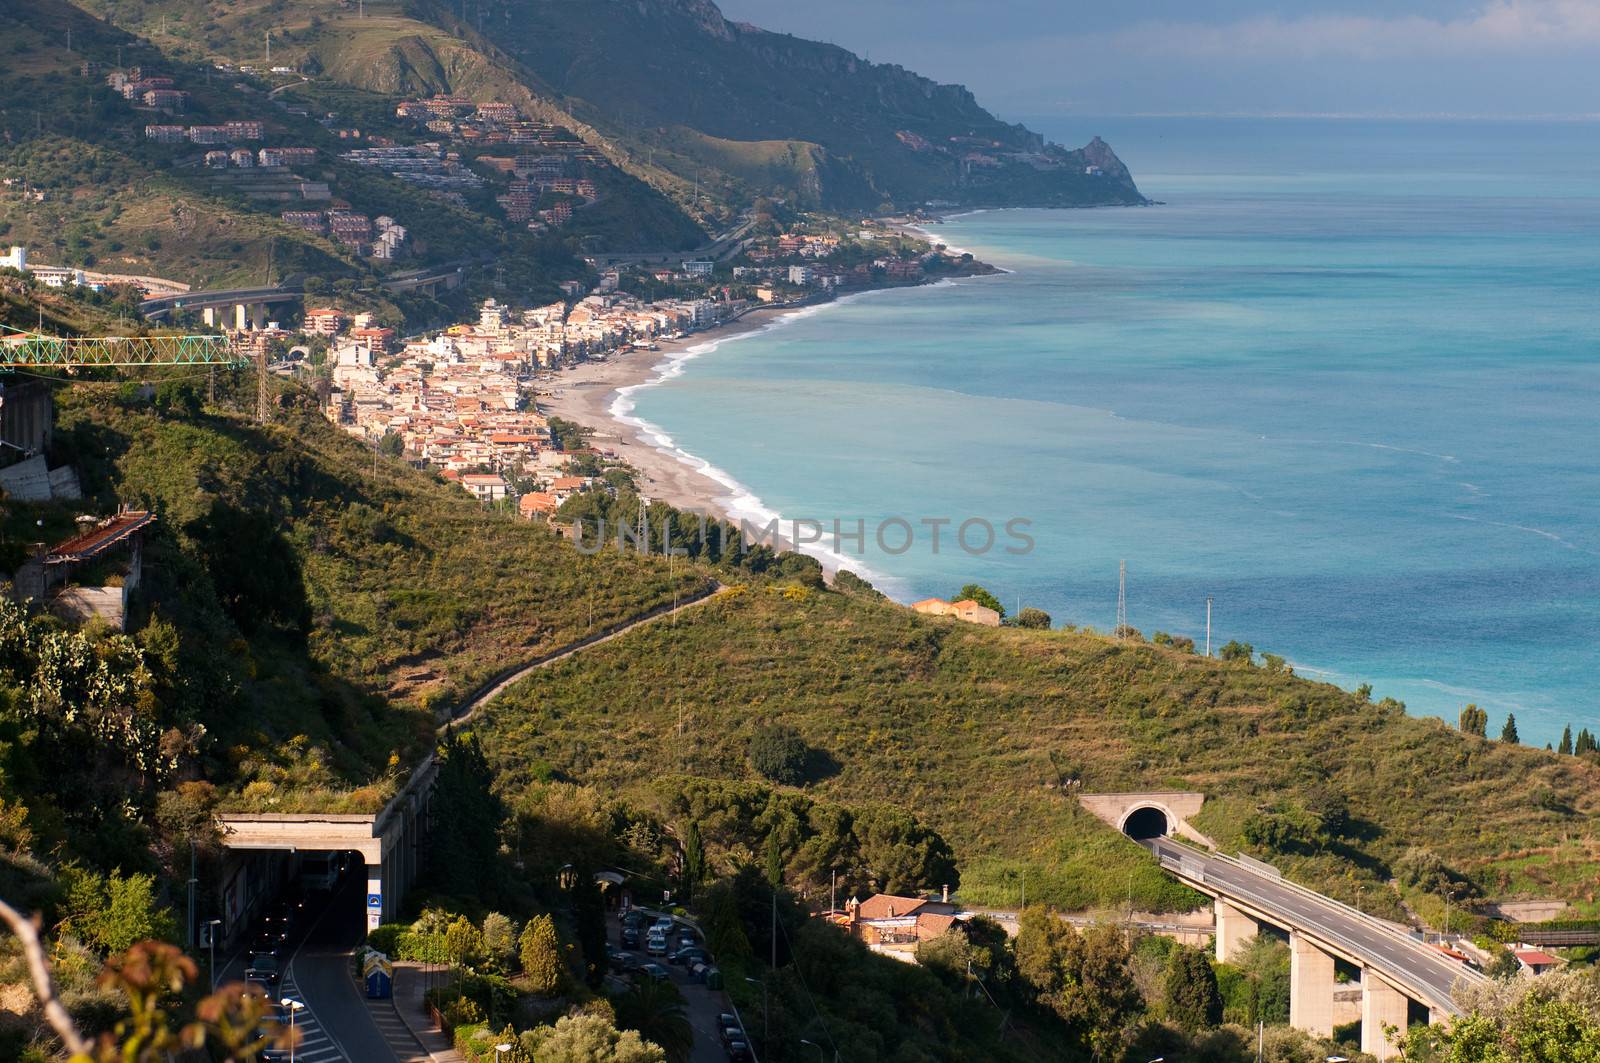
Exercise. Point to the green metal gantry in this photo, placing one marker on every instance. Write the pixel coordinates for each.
(32, 350)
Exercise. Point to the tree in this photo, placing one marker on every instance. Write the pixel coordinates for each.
(724, 929)
(541, 956)
(1033, 618)
(1237, 652)
(1083, 978)
(114, 912)
(1192, 998)
(1585, 742)
(901, 853)
(694, 862)
(391, 445)
(778, 752)
(975, 593)
(466, 856)
(774, 860)
(589, 912)
(1566, 740)
(1473, 721)
(588, 1039)
(1508, 733)
(657, 1012)
(499, 940)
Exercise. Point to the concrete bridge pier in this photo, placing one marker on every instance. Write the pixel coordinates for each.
(1381, 1004)
(1311, 987)
(1235, 930)
(258, 316)
(209, 316)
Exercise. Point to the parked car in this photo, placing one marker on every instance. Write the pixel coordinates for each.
(617, 959)
(691, 955)
(738, 1050)
(630, 938)
(657, 946)
(731, 1031)
(655, 971)
(635, 920)
(664, 924)
(727, 1019)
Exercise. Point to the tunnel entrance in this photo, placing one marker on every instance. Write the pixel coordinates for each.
(1145, 823)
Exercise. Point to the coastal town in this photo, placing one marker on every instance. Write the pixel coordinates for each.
(465, 400)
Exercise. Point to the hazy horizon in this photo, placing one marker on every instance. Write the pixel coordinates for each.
(1247, 58)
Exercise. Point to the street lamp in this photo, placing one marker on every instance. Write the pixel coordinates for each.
(294, 1006)
(500, 1051)
(813, 1044)
(211, 941)
(766, 1011)
(1337, 1059)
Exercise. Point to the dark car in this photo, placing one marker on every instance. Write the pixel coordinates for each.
(738, 1050)
(617, 959)
(635, 920)
(727, 1019)
(655, 971)
(263, 970)
(630, 938)
(691, 955)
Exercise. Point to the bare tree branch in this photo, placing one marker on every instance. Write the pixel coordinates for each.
(27, 931)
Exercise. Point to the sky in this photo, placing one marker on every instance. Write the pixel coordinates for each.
(1037, 58)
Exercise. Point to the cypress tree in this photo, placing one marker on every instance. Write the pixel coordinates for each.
(1509, 732)
(1566, 740)
(694, 861)
(1585, 742)
(775, 859)
(541, 956)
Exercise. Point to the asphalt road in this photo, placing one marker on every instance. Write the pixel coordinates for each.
(320, 968)
(1391, 953)
(701, 1004)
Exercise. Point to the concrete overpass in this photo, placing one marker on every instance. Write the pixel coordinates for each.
(1400, 977)
(246, 306)
(389, 841)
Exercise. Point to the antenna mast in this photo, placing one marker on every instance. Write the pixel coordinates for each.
(1208, 625)
(1122, 599)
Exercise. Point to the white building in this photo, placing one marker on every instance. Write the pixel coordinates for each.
(699, 267)
(17, 259)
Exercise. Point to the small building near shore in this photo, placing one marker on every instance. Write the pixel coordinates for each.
(966, 609)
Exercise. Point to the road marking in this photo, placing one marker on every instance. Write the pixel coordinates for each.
(316, 1044)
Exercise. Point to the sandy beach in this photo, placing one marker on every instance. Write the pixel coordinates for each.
(585, 393)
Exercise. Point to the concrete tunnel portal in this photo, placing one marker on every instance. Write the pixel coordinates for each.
(1145, 823)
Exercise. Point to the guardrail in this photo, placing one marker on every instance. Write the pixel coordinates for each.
(1419, 949)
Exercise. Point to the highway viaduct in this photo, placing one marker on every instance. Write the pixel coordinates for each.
(1394, 979)
(246, 308)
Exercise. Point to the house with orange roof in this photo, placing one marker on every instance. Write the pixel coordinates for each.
(537, 505)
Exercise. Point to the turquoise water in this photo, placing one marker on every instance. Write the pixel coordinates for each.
(1344, 382)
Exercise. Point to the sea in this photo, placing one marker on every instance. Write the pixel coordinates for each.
(1342, 383)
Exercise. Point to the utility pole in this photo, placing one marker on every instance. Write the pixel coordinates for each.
(1122, 599)
(189, 928)
(261, 386)
(1208, 625)
(269, 46)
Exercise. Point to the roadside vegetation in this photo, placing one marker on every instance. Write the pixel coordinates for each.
(989, 735)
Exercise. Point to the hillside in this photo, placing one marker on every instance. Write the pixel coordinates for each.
(987, 735)
(397, 593)
(677, 71)
(709, 113)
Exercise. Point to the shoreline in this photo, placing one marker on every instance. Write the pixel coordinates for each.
(596, 395)
(590, 392)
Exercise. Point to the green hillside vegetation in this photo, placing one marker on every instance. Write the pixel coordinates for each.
(988, 735)
(680, 64)
(382, 595)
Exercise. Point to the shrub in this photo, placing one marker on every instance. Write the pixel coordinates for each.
(1033, 618)
(778, 752)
